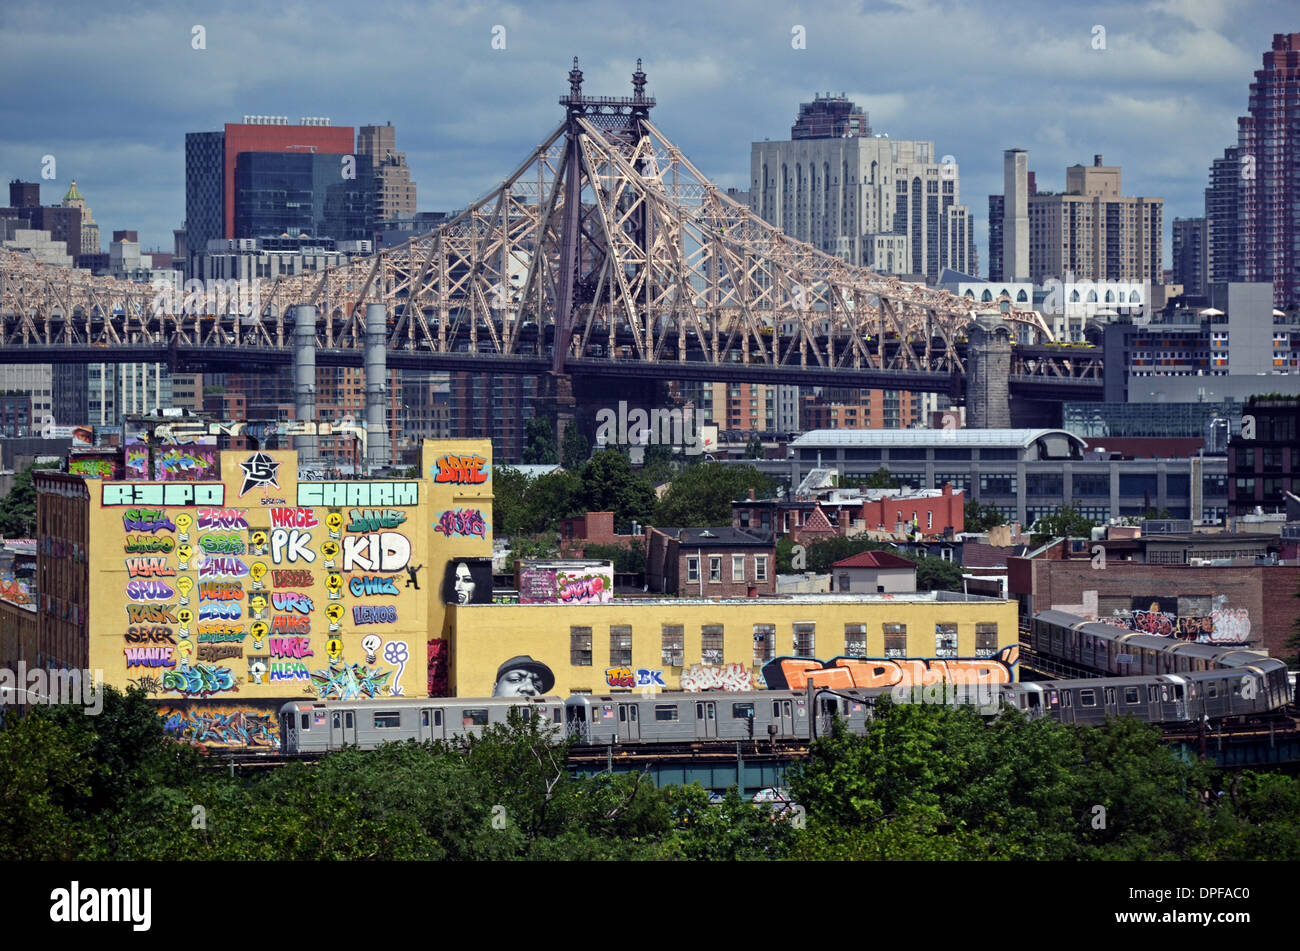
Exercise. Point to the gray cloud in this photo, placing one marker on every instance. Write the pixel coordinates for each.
(112, 94)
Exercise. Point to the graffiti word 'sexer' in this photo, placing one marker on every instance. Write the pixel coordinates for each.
(315, 494)
(21, 686)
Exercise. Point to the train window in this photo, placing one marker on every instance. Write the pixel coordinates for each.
(437, 717)
(424, 718)
(776, 708)
(1132, 695)
(336, 720)
(665, 711)
(622, 714)
(1110, 696)
(713, 711)
(474, 717)
(742, 711)
(306, 721)
(1153, 693)
(1212, 689)
(1087, 698)
(388, 721)
(525, 713)
(347, 720)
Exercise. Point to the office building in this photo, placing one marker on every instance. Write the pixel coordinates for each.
(1191, 255)
(89, 230)
(1264, 458)
(1222, 215)
(394, 192)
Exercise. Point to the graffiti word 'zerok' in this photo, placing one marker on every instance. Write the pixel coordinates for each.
(382, 551)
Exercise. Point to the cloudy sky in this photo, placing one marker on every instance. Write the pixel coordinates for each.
(111, 95)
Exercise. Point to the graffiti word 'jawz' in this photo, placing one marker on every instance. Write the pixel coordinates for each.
(384, 551)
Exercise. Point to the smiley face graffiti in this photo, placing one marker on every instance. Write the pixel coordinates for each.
(334, 585)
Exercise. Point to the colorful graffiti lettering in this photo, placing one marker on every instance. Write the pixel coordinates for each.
(222, 519)
(292, 602)
(219, 651)
(383, 551)
(293, 518)
(149, 568)
(361, 494)
(147, 520)
(461, 470)
(296, 647)
(287, 624)
(366, 586)
(374, 614)
(92, 468)
(290, 671)
(627, 677)
(221, 610)
(221, 566)
(1155, 622)
(140, 634)
(221, 544)
(149, 656)
(729, 677)
(461, 523)
(222, 728)
(349, 682)
(289, 578)
(199, 680)
(188, 462)
(220, 634)
(151, 613)
(795, 673)
(221, 591)
(148, 544)
(372, 520)
(1231, 625)
(291, 545)
(149, 591)
(583, 589)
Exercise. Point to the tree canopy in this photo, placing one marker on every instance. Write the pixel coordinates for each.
(1063, 523)
(701, 495)
(539, 443)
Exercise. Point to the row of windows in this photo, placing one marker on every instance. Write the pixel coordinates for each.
(803, 643)
(715, 568)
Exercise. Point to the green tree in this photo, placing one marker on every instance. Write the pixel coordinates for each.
(610, 484)
(980, 518)
(881, 479)
(630, 559)
(548, 499)
(658, 463)
(701, 495)
(784, 555)
(18, 508)
(754, 448)
(936, 574)
(509, 498)
(574, 451)
(1063, 523)
(539, 443)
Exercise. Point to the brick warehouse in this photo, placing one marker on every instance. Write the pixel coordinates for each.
(1249, 604)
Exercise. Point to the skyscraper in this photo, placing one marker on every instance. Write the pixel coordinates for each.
(888, 204)
(1015, 215)
(1222, 215)
(1269, 140)
(394, 192)
(1190, 255)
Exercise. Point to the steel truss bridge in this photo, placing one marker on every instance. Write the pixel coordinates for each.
(605, 254)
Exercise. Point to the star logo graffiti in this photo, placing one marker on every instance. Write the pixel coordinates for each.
(259, 469)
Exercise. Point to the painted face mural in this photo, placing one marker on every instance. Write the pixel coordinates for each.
(335, 614)
(523, 677)
(464, 584)
(468, 581)
(330, 550)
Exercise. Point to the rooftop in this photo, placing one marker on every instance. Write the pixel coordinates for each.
(963, 438)
(874, 559)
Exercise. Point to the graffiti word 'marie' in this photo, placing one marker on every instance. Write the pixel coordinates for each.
(358, 493)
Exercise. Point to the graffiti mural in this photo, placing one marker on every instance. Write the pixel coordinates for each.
(396, 652)
(185, 463)
(521, 676)
(199, 680)
(1230, 625)
(468, 581)
(461, 470)
(558, 584)
(729, 677)
(461, 523)
(1161, 617)
(439, 656)
(640, 677)
(222, 725)
(94, 467)
(795, 673)
(349, 682)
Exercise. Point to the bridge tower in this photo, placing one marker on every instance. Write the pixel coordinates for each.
(988, 369)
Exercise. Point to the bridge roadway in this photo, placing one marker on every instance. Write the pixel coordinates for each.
(194, 358)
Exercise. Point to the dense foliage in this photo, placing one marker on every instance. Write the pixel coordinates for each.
(928, 782)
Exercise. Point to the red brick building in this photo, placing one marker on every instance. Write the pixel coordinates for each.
(710, 562)
(929, 513)
(594, 528)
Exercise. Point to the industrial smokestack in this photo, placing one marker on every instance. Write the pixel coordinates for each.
(377, 451)
(304, 378)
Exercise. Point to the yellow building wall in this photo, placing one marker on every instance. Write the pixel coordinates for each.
(260, 587)
(488, 636)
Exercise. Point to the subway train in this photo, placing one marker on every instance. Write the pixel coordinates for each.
(1156, 679)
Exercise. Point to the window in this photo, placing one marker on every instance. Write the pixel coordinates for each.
(580, 646)
(737, 567)
(477, 716)
(986, 640)
(715, 568)
(805, 639)
(895, 640)
(997, 484)
(673, 645)
(742, 711)
(693, 568)
(764, 643)
(1131, 695)
(665, 711)
(845, 582)
(620, 646)
(855, 640)
(945, 640)
(1087, 698)
(711, 643)
(760, 567)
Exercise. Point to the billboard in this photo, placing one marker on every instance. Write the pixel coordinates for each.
(566, 582)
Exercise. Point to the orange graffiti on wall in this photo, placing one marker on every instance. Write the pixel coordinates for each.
(796, 673)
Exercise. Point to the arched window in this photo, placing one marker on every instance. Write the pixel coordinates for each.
(1022, 297)
(987, 295)
(1092, 297)
(970, 293)
(1074, 297)
(1110, 296)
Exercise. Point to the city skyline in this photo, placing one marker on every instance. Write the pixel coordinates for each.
(1161, 99)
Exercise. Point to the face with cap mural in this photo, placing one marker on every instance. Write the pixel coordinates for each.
(523, 677)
